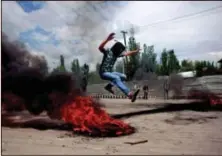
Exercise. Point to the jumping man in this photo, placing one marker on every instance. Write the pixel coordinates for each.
(110, 56)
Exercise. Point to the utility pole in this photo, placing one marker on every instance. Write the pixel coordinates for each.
(124, 37)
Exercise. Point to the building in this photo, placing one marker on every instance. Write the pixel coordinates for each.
(188, 74)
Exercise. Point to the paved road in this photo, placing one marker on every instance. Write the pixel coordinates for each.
(173, 132)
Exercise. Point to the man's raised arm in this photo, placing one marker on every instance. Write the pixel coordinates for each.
(102, 45)
(129, 53)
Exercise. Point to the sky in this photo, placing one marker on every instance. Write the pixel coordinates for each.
(74, 29)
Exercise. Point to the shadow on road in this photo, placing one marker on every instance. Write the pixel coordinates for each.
(25, 120)
(169, 107)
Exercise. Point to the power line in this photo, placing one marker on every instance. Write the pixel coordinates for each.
(181, 17)
(195, 17)
(175, 18)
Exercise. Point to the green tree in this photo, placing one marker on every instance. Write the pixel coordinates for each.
(148, 59)
(198, 68)
(134, 60)
(85, 69)
(151, 59)
(75, 68)
(202, 66)
(62, 64)
(61, 67)
(158, 69)
(187, 65)
(62, 60)
(173, 63)
(164, 63)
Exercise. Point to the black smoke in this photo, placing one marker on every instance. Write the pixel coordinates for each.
(25, 77)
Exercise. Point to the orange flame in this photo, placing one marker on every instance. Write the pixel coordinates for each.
(88, 118)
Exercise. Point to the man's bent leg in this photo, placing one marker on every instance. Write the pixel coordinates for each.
(116, 80)
(131, 95)
(121, 75)
(111, 84)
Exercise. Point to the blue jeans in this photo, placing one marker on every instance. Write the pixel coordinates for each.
(116, 79)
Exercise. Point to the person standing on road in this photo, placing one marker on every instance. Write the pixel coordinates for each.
(135, 86)
(166, 89)
(145, 91)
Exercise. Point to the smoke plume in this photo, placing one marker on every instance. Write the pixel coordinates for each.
(90, 22)
(25, 83)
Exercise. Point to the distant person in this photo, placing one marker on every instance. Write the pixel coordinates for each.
(145, 91)
(166, 87)
(110, 56)
(135, 86)
(85, 71)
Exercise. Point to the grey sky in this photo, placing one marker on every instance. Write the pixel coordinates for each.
(196, 37)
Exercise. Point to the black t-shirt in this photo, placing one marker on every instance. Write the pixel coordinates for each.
(109, 59)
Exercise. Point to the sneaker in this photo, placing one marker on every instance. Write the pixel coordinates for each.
(109, 88)
(133, 96)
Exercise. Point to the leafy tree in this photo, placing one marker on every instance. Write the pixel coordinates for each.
(85, 69)
(164, 63)
(158, 69)
(187, 65)
(61, 67)
(134, 60)
(75, 68)
(62, 64)
(202, 66)
(148, 59)
(173, 63)
(151, 59)
(220, 62)
(62, 61)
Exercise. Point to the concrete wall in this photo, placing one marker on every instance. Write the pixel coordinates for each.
(213, 83)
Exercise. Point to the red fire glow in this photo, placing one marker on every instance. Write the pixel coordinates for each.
(213, 99)
(88, 118)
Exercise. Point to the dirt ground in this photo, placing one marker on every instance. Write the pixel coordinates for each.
(173, 129)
